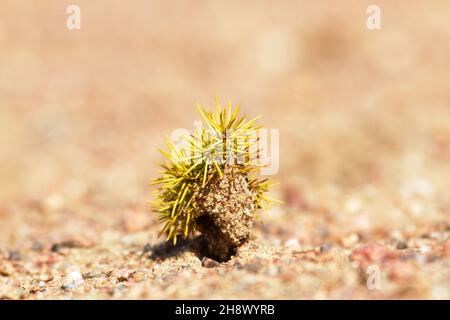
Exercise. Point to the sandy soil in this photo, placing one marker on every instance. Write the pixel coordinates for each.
(364, 140)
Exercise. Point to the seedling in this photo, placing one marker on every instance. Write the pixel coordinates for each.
(212, 186)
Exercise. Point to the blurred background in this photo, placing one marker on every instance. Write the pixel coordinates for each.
(364, 115)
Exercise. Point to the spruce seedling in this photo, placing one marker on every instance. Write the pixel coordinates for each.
(213, 185)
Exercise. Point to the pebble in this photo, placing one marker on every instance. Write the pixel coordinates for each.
(6, 270)
(55, 247)
(34, 289)
(292, 243)
(89, 275)
(397, 235)
(401, 245)
(350, 240)
(277, 261)
(272, 270)
(353, 205)
(44, 277)
(14, 255)
(37, 246)
(209, 263)
(326, 247)
(123, 275)
(54, 202)
(424, 248)
(72, 280)
(138, 276)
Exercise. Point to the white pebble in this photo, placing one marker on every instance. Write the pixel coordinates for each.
(73, 280)
(292, 243)
(424, 249)
(353, 205)
(272, 270)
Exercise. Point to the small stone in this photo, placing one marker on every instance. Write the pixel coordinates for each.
(14, 255)
(209, 263)
(326, 247)
(424, 248)
(55, 247)
(138, 276)
(397, 235)
(109, 273)
(350, 240)
(292, 243)
(34, 289)
(37, 246)
(401, 245)
(45, 277)
(89, 275)
(72, 280)
(272, 270)
(54, 202)
(277, 261)
(123, 275)
(6, 270)
(353, 205)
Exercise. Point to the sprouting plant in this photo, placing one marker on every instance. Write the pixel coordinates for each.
(212, 185)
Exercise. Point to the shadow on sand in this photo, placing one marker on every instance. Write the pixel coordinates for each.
(165, 250)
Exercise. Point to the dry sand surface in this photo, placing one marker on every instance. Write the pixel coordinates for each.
(364, 120)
